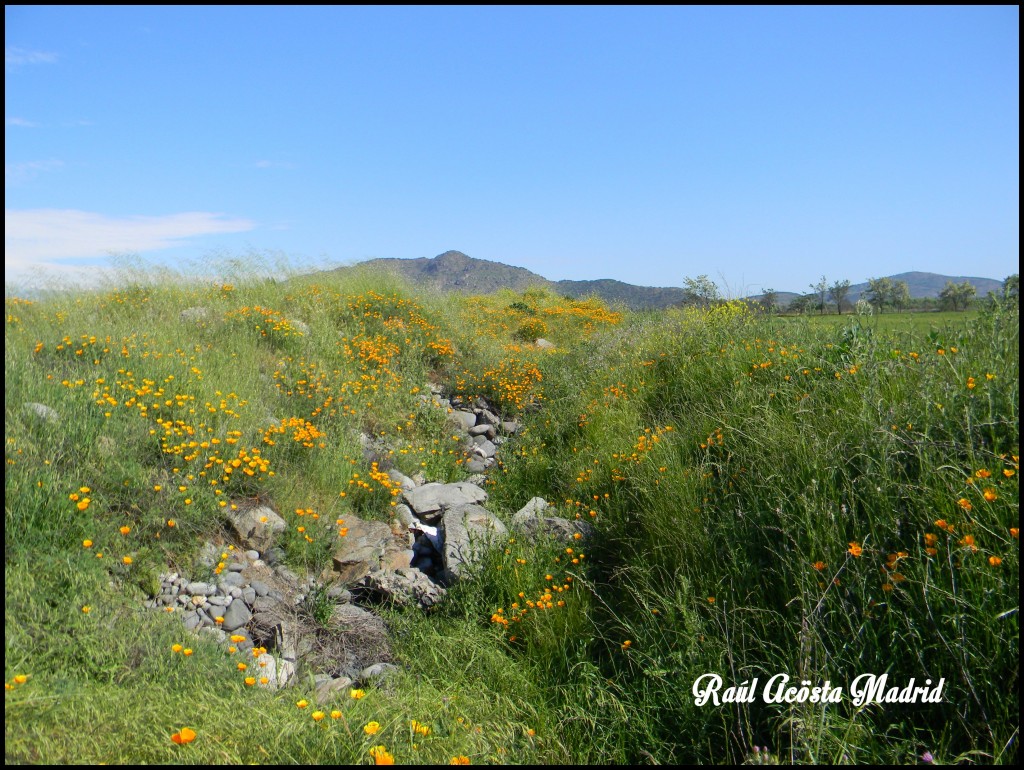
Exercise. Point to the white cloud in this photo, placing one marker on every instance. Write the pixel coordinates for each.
(57, 239)
(16, 57)
(19, 122)
(19, 173)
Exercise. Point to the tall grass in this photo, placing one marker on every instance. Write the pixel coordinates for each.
(770, 496)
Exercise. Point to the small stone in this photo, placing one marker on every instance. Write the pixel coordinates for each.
(252, 555)
(200, 589)
(235, 592)
(248, 595)
(377, 671)
(335, 688)
(259, 587)
(192, 620)
(231, 579)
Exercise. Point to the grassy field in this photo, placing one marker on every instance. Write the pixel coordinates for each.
(821, 498)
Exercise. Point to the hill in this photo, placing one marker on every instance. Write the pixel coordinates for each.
(455, 271)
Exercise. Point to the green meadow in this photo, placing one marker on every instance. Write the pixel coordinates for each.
(821, 498)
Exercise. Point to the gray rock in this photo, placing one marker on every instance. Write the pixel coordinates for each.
(434, 498)
(236, 593)
(511, 427)
(401, 479)
(252, 555)
(475, 465)
(361, 550)
(483, 447)
(259, 587)
(248, 595)
(236, 566)
(532, 522)
(192, 620)
(229, 580)
(404, 515)
(462, 420)
(257, 527)
(194, 314)
(220, 601)
(236, 616)
(377, 671)
(200, 589)
(216, 633)
(401, 587)
(336, 688)
(543, 344)
(489, 417)
(468, 531)
(277, 671)
(274, 556)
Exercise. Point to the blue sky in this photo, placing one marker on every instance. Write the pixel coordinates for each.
(763, 147)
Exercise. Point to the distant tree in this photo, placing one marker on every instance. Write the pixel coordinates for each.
(769, 299)
(1011, 287)
(700, 290)
(820, 288)
(900, 296)
(957, 296)
(802, 304)
(838, 292)
(879, 292)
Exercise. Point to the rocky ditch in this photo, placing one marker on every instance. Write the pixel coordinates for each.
(326, 626)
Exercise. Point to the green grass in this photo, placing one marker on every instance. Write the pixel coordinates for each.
(728, 462)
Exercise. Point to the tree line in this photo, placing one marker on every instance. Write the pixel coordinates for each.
(882, 293)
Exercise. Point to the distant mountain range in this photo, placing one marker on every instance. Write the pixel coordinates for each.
(454, 271)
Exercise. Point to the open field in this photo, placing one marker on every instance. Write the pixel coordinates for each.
(821, 498)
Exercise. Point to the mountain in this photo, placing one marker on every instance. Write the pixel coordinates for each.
(931, 284)
(454, 271)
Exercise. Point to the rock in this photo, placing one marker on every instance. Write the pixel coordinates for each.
(402, 587)
(462, 420)
(543, 344)
(401, 479)
(475, 465)
(489, 417)
(335, 688)
(252, 555)
(360, 551)
(274, 556)
(249, 595)
(194, 314)
(396, 559)
(430, 500)
(299, 326)
(229, 580)
(236, 616)
(483, 447)
(531, 521)
(216, 633)
(259, 587)
(404, 515)
(277, 671)
(220, 601)
(511, 427)
(376, 671)
(200, 589)
(257, 527)
(468, 530)
(192, 620)
(42, 411)
(339, 594)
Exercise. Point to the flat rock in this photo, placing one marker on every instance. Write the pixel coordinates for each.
(329, 691)
(462, 420)
(434, 498)
(401, 479)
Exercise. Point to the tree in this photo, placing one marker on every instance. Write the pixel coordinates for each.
(819, 289)
(769, 298)
(700, 290)
(1011, 287)
(801, 304)
(838, 292)
(879, 292)
(900, 296)
(957, 296)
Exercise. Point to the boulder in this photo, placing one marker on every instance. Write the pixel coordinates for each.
(431, 500)
(531, 522)
(462, 420)
(361, 550)
(401, 587)
(467, 532)
(257, 527)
